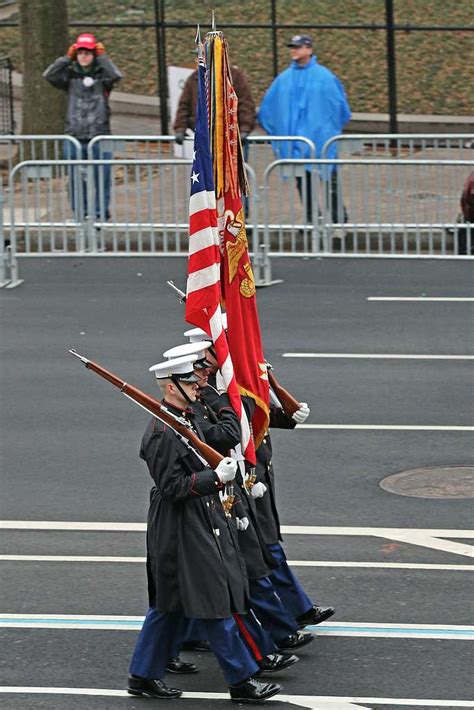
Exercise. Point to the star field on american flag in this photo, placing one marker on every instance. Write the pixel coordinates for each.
(201, 174)
(203, 286)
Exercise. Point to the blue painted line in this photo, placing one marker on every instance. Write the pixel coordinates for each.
(75, 622)
(390, 629)
(347, 629)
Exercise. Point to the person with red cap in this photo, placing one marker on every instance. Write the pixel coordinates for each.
(88, 76)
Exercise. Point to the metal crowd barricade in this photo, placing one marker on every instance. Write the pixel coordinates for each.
(3, 254)
(376, 223)
(145, 216)
(149, 210)
(425, 146)
(130, 147)
(395, 207)
(18, 148)
(427, 186)
(8, 261)
(258, 151)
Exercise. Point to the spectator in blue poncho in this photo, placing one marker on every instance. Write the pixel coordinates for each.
(307, 100)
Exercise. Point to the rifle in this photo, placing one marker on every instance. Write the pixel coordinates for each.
(181, 294)
(288, 402)
(180, 426)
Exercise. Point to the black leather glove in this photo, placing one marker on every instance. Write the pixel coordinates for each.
(179, 137)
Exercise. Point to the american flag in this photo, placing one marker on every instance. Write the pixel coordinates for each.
(203, 288)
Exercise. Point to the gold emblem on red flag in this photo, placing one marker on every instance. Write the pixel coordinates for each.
(235, 250)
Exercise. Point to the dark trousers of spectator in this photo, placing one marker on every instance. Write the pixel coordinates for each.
(334, 197)
(78, 184)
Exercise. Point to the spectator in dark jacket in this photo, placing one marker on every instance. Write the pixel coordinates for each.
(87, 75)
(186, 113)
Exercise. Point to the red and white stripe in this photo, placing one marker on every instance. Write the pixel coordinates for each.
(226, 367)
(203, 294)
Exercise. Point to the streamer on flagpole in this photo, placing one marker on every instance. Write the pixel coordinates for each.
(219, 269)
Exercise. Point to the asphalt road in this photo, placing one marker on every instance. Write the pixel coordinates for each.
(70, 453)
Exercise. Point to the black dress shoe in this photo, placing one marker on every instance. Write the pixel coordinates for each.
(315, 615)
(150, 687)
(275, 662)
(296, 640)
(176, 665)
(253, 691)
(196, 646)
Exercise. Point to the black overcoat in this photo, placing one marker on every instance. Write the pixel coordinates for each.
(267, 511)
(194, 564)
(218, 422)
(215, 418)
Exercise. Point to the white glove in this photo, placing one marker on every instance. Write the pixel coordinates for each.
(258, 490)
(301, 414)
(226, 470)
(220, 384)
(242, 523)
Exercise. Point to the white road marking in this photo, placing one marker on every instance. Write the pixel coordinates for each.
(105, 622)
(71, 558)
(423, 537)
(382, 565)
(386, 427)
(421, 298)
(378, 356)
(293, 563)
(73, 525)
(77, 525)
(308, 701)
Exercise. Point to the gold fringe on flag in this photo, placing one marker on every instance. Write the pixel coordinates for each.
(226, 146)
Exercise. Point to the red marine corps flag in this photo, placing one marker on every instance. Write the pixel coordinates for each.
(219, 266)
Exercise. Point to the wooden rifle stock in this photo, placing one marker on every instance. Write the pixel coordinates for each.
(154, 407)
(288, 402)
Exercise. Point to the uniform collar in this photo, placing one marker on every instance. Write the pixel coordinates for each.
(180, 411)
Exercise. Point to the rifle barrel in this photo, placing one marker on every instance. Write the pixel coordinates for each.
(288, 402)
(155, 408)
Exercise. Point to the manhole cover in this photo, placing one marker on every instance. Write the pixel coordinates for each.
(440, 482)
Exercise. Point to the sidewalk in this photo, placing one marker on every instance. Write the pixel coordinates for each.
(135, 114)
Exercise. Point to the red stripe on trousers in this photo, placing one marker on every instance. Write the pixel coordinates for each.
(247, 638)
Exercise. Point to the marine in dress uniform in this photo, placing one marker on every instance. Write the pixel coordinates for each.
(274, 616)
(271, 622)
(284, 581)
(194, 566)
